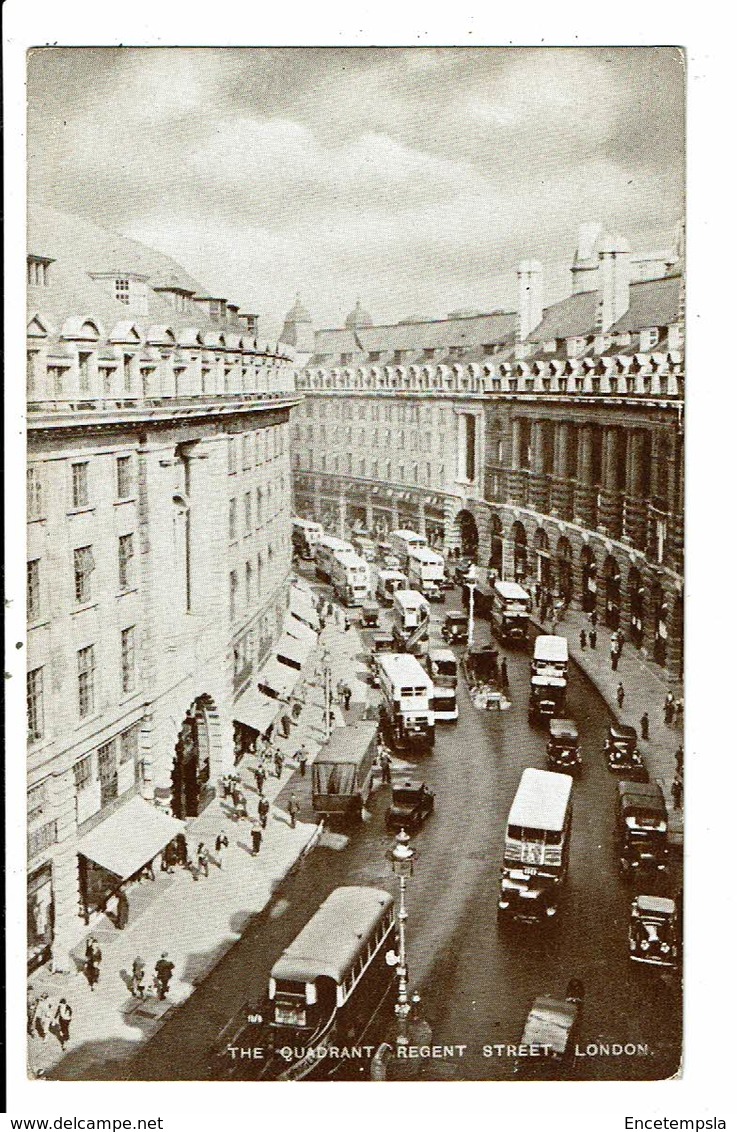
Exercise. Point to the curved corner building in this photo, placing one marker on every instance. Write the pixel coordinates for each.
(159, 549)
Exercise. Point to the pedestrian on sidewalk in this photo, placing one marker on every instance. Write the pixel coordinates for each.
(614, 653)
(221, 844)
(92, 962)
(346, 698)
(582, 638)
(329, 611)
(263, 812)
(302, 758)
(538, 594)
(678, 711)
(293, 810)
(256, 835)
(164, 971)
(286, 725)
(260, 776)
(385, 762)
(31, 1008)
(62, 1022)
(679, 760)
(44, 1016)
(677, 792)
(620, 694)
(122, 911)
(668, 709)
(139, 977)
(278, 762)
(180, 842)
(645, 725)
(592, 638)
(504, 674)
(203, 859)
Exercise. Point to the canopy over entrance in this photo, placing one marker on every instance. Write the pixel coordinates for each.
(130, 838)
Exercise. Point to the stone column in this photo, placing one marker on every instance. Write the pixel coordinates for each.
(562, 490)
(516, 438)
(611, 506)
(584, 504)
(507, 558)
(635, 507)
(539, 493)
(342, 512)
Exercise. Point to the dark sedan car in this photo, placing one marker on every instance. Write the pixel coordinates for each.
(410, 805)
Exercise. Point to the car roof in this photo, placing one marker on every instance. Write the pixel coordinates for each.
(563, 729)
(622, 731)
(660, 904)
(641, 793)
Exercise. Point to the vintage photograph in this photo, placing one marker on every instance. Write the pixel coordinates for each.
(355, 563)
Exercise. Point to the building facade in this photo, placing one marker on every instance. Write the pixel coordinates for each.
(158, 547)
(548, 442)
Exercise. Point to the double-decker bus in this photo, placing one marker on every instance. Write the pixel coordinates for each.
(536, 846)
(350, 578)
(404, 540)
(305, 537)
(324, 553)
(408, 700)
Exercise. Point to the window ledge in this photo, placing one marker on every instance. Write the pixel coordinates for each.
(39, 623)
(80, 510)
(128, 499)
(124, 593)
(84, 608)
(36, 519)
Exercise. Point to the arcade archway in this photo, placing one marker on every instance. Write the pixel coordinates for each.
(519, 543)
(637, 606)
(565, 569)
(496, 543)
(588, 579)
(190, 778)
(468, 534)
(543, 569)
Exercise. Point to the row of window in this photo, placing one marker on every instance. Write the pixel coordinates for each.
(256, 448)
(426, 473)
(399, 439)
(252, 587)
(101, 776)
(80, 487)
(85, 683)
(84, 567)
(344, 408)
(264, 508)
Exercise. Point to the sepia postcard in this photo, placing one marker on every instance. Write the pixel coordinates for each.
(355, 450)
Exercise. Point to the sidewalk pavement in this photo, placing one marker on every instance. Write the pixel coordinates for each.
(645, 688)
(196, 920)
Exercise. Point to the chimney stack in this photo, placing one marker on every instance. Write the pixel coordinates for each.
(615, 274)
(530, 297)
(585, 267)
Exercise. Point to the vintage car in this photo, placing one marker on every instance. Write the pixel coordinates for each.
(482, 664)
(654, 931)
(547, 1051)
(410, 805)
(620, 748)
(564, 748)
(382, 642)
(433, 591)
(369, 614)
(642, 828)
(455, 628)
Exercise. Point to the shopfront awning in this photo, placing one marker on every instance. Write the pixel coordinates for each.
(299, 631)
(293, 652)
(280, 678)
(130, 838)
(255, 710)
(301, 607)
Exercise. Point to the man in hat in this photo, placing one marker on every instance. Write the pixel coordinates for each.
(164, 971)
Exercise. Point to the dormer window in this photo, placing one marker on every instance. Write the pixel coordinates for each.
(648, 339)
(123, 290)
(346, 359)
(374, 356)
(37, 270)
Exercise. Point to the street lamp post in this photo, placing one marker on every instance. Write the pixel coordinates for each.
(471, 583)
(402, 860)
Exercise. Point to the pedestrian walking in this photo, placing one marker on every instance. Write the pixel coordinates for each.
(538, 594)
(302, 758)
(385, 763)
(203, 859)
(346, 698)
(669, 709)
(263, 812)
(329, 610)
(645, 725)
(260, 776)
(614, 653)
(164, 970)
(92, 962)
(620, 694)
(278, 762)
(138, 978)
(592, 638)
(504, 674)
(678, 710)
(582, 638)
(221, 844)
(594, 618)
(256, 836)
(122, 911)
(31, 1008)
(62, 1022)
(679, 760)
(286, 725)
(44, 1016)
(677, 792)
(182, 854)
(293, 809)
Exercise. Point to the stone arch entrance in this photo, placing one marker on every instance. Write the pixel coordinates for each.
(519, 541)
(637, 606)
(588, 579)
(565, 569)
(543, 567)
(612, 592)
(496, 545)
(468, 534)
(190, 777)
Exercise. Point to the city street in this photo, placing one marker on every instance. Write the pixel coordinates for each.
(477, 983)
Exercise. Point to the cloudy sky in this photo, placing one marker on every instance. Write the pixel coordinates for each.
(413, 178)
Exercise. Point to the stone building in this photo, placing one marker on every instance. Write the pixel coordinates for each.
(547, 441)
(158, 546)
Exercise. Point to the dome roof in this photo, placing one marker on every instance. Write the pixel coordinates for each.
(298, 313)
(358, 317)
